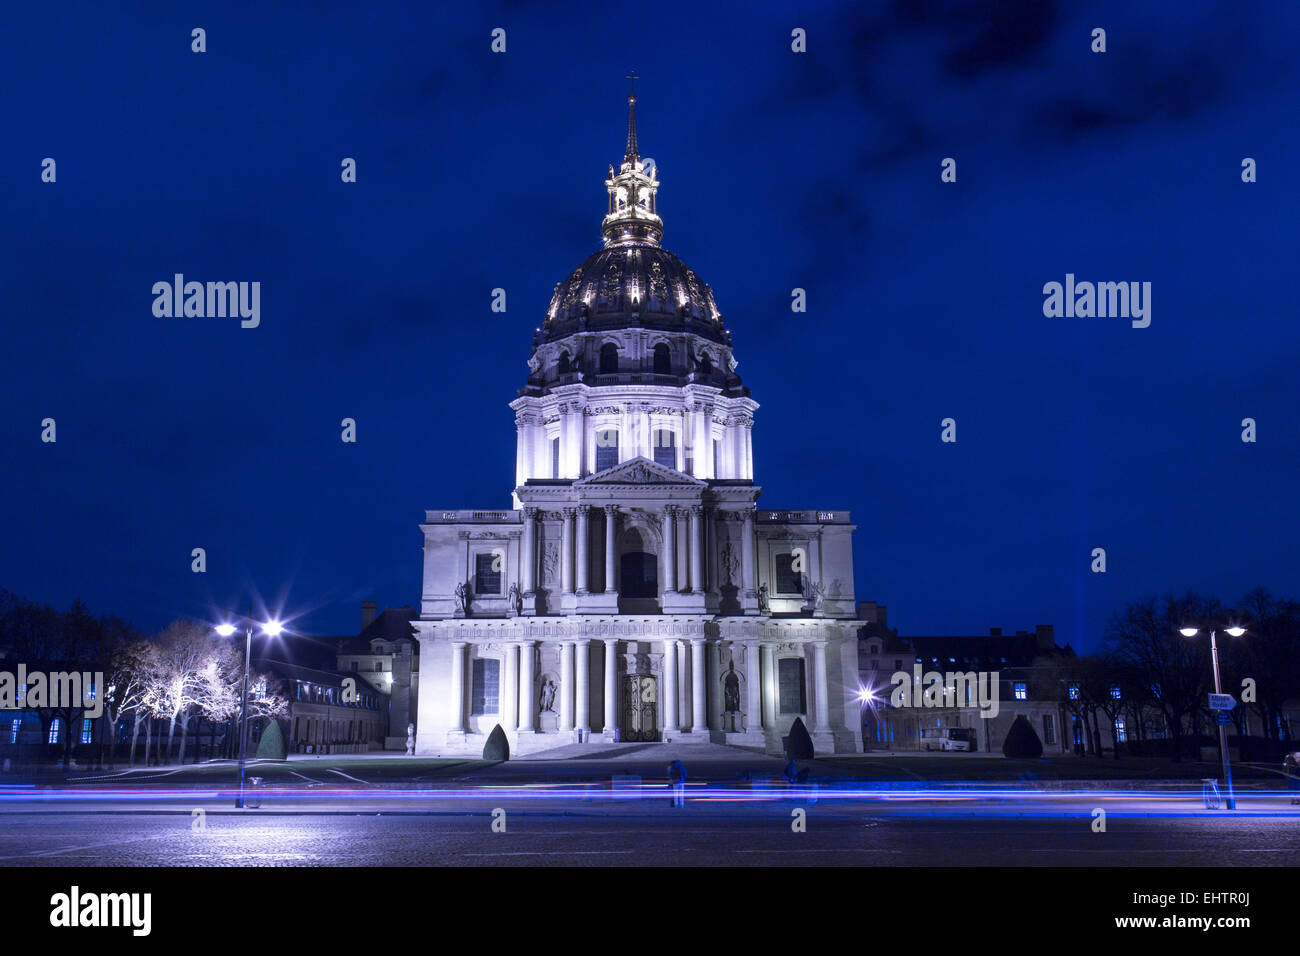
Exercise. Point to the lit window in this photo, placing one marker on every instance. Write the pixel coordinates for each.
(486, 682)
(1114, 693)
(1021, 691)
(55, 725)
(606, 448)
(666, 447)
(1121, 732)
(87, 730)
(15, 726)
(487, 574)
(790, 682)
(788, 580)
(1074, 692)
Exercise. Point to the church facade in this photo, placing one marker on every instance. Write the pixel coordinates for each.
(634, 591)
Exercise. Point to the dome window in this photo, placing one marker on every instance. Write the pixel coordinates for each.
(663, 361)
(564, 365)
(608, 359)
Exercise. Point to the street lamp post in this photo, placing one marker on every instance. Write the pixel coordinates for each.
(1218, 689)
(271, 629)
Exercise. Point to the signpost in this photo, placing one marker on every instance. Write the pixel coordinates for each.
(1222, 702)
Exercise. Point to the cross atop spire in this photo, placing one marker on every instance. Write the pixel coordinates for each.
(632, 155)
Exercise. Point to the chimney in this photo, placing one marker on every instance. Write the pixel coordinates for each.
(1046, 635)
(369, 611)
(995, 632)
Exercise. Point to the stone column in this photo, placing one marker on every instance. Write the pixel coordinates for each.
(510, 690)
(566, 550)
(458, 686)
(670, 686)
(753, 689)
(611, 529)
(584, 565)
(821, 706)
(527, 693)
(697, 548)
(699, 702)
(583, 721)
(566, 685)
(611, 687)
(770, 689)
(670, 549)
(747, 555)
(528, 553)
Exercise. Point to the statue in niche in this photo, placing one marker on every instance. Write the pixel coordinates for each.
(547, 696)
(516, 599)
(818, 597)
(550, 563)
(462, 597)
(762, 599)
(731, 690)
(730, 563)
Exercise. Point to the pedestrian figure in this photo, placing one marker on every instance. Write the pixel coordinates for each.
(677, 780)
(1291, 767)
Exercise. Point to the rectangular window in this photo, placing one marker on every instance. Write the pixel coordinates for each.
(717, 458)
(790, 684)
(1121, 732)
(485, 687)
(1021, 691)
(55, 725)
(1074, 692)
(87, 730)
(666, 447)
(1049, 730)
(1114, 693)
(788, 580)
(487, 573)
(14, 727)
(555, 458)
(606, 448)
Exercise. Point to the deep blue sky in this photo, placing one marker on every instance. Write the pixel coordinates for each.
(778, 170)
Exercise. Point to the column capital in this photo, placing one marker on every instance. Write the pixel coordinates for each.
(611, 510)
(569, 512)
(697, 510)
(670, 511)
(531, 512)
(583, 510)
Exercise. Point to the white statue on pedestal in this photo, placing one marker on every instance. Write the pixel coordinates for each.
(410, 740)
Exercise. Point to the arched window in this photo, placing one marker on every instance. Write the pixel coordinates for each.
(606, 448)
(638, 575)
(608, 358)
(666, 447)
(663, 361)
(564, 364)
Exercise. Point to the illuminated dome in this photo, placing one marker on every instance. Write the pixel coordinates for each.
(632, 313)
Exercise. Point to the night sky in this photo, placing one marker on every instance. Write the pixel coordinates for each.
(779, 170)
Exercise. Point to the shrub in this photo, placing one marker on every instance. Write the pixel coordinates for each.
(798, 746)
(271, 746)
(497, 746)
(1021, 742)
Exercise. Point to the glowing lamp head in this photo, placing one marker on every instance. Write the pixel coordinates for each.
(272, 628)
(225, 630)
(865, 696)
(1189, 631)
(1235, 631)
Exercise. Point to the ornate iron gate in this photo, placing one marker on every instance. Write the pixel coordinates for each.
(640, 696)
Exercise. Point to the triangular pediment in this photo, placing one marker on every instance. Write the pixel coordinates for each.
(640, 471)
